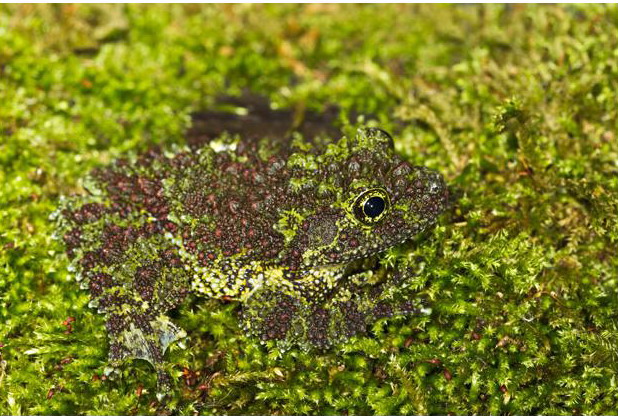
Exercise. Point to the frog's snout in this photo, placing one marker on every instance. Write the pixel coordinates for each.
(437, 189)
(437, 186)
(435, 183)
(432, 189)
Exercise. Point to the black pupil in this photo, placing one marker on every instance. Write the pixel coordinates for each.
(374, 206)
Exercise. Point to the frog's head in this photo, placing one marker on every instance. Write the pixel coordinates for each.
(362, 199)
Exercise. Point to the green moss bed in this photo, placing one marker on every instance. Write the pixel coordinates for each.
(516, 106)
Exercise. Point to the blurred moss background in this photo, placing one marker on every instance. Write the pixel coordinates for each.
(516, 105)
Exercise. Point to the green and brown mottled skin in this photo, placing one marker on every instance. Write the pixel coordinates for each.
(280, 226)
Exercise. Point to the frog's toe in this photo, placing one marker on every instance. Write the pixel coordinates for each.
(143, 338)
(290, 320)
(272, 316)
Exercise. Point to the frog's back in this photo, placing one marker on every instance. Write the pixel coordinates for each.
(195, 208)
(225, 204)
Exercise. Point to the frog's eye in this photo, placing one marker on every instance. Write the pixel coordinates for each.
(371, 206)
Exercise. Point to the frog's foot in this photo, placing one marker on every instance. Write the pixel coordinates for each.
(270, 315)
(289, 320)
(136, 335)
(381, 297)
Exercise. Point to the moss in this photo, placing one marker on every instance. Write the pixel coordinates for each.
(515, 105)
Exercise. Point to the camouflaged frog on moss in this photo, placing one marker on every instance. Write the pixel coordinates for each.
(289, 230)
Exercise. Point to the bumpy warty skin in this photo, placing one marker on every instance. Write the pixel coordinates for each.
(289, 229)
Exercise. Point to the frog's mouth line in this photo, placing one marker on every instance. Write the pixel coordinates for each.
(362, 265)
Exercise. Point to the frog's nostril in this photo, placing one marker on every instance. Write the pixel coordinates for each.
(435, 184)
(439, 189)
(435, 188)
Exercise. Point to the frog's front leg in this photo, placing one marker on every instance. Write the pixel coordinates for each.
(314, 285)
(326, 306)
(287, 307)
